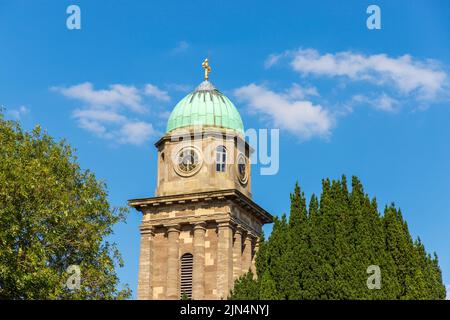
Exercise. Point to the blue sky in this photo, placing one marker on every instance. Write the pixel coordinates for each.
(347, 100)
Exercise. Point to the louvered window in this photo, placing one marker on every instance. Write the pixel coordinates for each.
(187, 263)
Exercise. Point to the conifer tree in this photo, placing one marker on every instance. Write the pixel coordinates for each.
(277, 256)
(245, 288)
(438, 290)
(323, 251)
(397, 244)
(343, 266)
(325, 246)
(261, 256)
(311, 278)
(267, 288)
(297, 245)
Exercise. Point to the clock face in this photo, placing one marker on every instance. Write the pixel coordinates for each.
(188, 160)
(242, 168)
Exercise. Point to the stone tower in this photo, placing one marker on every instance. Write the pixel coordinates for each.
(201, 230)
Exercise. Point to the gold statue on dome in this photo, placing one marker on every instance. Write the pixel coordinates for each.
(207, 68)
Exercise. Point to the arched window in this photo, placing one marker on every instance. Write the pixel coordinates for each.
(187, 263)
(221, 158)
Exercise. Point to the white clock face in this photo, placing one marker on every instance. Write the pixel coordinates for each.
(242, 170)
(188, 160)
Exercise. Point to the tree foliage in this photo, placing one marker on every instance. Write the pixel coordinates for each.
(245, 288)
(53, 215)
(324, 249)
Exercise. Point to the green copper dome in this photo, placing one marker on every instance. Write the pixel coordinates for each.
(206, 106)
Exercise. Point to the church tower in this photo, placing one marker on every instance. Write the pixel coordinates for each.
(201, 231)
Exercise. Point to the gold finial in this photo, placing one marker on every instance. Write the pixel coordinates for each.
(207, 68)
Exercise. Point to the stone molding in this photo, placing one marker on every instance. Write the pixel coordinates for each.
(145, 204)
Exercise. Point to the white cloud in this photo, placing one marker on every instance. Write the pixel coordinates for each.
(136, 132)
(19, 112)
(99, 115)
(95, 127)
(109, 113)
(448, 292)
(272, 60)
(386, 103)
(421, 77)
(117, 95)
(300, 117)
(297, 91)
(154, 91)
(382, 102)
(99, 122)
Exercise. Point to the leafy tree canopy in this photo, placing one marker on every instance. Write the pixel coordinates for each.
(53, 215)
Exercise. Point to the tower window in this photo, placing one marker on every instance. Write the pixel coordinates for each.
(187, 263)
(221, 158)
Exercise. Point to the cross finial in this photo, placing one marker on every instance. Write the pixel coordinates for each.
(207, 68)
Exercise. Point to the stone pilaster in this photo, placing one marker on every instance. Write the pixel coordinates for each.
(237, 253)
(224, 259)
(255, 251)
(145, 288)
(247, 253)
(198, 281)
(173, 233)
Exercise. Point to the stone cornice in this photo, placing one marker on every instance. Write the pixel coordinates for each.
(203, 133)
(227, 194)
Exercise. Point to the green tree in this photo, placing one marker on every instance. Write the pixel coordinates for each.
(245, 288)
(261, 256)
(400, 246)
(297, 246)
(53, 215)
(437, 287)
(267, 288)
(324, 251)
(311, 278)
(277, 257)
(324, 247)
